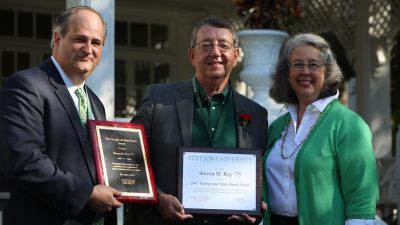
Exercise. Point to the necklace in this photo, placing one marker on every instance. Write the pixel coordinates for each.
(297, 147)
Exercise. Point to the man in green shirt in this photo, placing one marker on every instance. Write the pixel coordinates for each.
(202, 112)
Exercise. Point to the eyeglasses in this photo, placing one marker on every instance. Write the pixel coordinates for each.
(207, 46)
(312, 66)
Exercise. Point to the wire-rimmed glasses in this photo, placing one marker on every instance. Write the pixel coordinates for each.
(207, 46)
(312, 66)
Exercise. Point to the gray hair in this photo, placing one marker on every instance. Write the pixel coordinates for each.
(214, 22)
(61, 21)
(281, 90)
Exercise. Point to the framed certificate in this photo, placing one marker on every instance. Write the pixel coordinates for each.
(122, 160)
(220, 181)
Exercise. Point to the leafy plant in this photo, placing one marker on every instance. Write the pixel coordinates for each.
(269, 14)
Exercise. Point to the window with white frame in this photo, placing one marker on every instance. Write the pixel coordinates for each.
(140, 60)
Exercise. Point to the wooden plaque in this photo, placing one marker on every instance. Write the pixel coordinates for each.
(122, 160)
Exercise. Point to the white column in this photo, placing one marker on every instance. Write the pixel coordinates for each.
(363, 52)
(102, 79)
(373, 81)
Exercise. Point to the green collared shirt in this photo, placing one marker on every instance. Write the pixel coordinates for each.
(206, 131)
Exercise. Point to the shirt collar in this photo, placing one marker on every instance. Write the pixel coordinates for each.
(224, 94)
(68, 83)
(320, 104)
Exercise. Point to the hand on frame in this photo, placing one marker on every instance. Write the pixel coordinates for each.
(103, 198)
(171, 209)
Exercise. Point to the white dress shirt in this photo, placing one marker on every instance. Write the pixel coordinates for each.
(280, 172)
(68, 83)
(71, 87)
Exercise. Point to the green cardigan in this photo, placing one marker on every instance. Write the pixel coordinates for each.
(335, 169)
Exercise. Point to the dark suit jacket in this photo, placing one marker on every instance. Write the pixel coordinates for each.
(167, 113)
(45, 157)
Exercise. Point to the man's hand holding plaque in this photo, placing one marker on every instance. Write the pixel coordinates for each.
(122, 161)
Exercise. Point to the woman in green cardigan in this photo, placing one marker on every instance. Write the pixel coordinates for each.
(319, 167)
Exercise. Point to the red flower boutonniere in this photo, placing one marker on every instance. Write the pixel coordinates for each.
(244, 119)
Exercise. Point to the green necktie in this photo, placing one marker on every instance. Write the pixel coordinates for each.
(83, 106)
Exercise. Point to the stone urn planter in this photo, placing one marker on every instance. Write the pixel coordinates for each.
(261, 51)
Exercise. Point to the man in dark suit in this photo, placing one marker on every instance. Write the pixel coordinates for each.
(202, 112)
(45, 156)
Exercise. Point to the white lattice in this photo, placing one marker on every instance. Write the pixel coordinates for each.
(329, 15)
(339, 17)
(380, 17)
